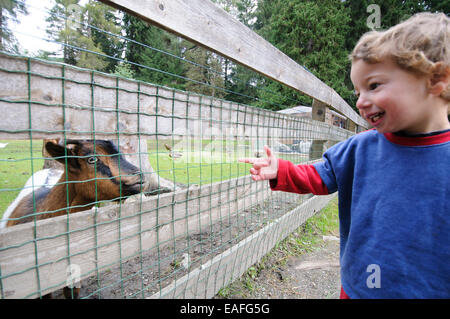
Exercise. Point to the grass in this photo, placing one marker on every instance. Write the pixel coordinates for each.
(201, 167)
(306, 238)
(208, 166)
(309, 235)
(212, 164)
(15, 168)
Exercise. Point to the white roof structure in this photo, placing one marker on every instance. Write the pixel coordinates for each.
(302, 109)
(297, 110)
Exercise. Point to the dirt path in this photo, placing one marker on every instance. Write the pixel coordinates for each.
(313, 275)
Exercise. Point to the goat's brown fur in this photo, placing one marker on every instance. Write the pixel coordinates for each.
(81, 184)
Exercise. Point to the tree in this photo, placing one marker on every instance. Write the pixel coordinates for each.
(239, 81)
(8, 11)
(392, 12)
(84, 46)
(104, 18)
(313, 34)
(206, 74)
(124, 69)
(62, 30)
(156, 54)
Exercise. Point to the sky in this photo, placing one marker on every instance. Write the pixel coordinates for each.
(34, 24)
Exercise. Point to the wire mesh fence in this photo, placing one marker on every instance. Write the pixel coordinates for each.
(119, 188)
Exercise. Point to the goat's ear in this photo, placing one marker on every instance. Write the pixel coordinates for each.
(59, 151)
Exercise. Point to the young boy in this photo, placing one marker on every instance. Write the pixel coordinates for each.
(394, 180)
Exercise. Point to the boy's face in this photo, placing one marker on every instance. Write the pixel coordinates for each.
(390, 98)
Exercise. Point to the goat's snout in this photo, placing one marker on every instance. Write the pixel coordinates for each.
(134, 182)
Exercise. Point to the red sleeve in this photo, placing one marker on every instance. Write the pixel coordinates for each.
(302, 179)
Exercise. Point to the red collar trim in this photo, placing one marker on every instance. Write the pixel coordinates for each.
(418, 141)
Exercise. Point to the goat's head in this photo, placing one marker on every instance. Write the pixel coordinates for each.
(102, 171)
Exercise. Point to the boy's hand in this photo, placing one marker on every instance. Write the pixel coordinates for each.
(263, 168)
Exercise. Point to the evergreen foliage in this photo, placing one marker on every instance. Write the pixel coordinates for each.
(8, 11)
(321, 34)
(69, 23)
(318, 35)
(150, 55)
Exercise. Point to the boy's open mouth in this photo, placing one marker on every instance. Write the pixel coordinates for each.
(375, 117)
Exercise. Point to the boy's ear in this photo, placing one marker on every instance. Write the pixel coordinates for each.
(439, 80)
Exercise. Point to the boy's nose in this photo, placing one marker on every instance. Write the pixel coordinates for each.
(362, 102)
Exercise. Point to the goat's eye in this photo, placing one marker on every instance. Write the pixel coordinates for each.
(92, 160)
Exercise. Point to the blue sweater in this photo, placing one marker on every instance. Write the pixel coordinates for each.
(394, 211)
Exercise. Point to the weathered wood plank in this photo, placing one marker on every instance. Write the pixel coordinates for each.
(36, 256)
(209, 278)
(59, 99)
(206, 24)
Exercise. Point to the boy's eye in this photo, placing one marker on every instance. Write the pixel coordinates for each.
(373, 86)
(356, 93)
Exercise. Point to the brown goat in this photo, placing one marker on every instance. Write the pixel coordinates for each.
(91, 174)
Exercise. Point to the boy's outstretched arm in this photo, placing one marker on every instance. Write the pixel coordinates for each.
(286, 176)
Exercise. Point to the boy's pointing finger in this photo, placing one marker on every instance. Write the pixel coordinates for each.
(247, 160)
(257, 162)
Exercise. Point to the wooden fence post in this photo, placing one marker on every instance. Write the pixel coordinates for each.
(318, 114)
(351, 126)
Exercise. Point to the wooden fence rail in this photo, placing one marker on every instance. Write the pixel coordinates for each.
(81, 103)
(38, 254)
(206, 280)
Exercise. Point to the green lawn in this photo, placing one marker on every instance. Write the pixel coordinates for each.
(15, 168)
(211, 164)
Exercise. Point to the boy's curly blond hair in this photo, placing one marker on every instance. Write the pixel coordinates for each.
(420, 44)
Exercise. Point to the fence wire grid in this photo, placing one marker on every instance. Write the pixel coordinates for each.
(128, 189)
